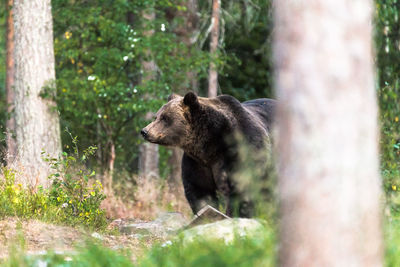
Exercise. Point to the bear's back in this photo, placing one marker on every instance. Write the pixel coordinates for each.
(264, 109)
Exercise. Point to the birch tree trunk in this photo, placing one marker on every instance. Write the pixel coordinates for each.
(36, 118)
(148, 152)
(10, 124)
(328, 137)
(213, 74)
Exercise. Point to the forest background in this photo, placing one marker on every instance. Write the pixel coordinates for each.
(103, 96)
(116, 62)
(102, 93)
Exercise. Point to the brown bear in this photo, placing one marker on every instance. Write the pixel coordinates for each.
(207, 130)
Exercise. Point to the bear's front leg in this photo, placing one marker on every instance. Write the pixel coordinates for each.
(221, 178)
(198, 184)
(197, 198)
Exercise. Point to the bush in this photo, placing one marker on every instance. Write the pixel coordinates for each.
(16, 200)
(73, 191)
(243, 251)
(73, 198)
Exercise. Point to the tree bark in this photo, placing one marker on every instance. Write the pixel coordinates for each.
(10, 123)
(110, 168)
(213, 73)
(37, 122)
(175, 161)
(328, 136)
(148, 152)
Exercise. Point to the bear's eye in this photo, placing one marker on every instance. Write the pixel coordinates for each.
(165, 119)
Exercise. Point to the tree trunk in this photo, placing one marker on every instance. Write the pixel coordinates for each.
(108, 176)
(213, 74)
(148, 152)
(36, 119)
(175, 161)
(148, 160)
(10, 124)
(328, 137)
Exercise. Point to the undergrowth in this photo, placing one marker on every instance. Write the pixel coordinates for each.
(243, 251)
(73, 197)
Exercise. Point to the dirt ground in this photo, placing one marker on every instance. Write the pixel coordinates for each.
(36, 237)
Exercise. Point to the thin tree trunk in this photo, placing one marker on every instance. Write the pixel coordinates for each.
(148, 152)
(36, 119)
(99, 151)
(148, 160)
(110, 172)
(213, 74)
(175, 160)
(10, 124)
(328, 136)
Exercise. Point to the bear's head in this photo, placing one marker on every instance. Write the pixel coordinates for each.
(171, 126)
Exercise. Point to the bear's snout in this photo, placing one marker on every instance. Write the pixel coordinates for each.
(144, 133)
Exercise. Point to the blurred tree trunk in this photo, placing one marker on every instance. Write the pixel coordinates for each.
(10, 124)
(36, 119)
(148, 152)
(328, 137)
(186, 31)
(111, 163)
(213, 74)
(109, 157)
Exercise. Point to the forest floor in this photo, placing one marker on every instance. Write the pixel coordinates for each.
(36, 237)
(149, 224)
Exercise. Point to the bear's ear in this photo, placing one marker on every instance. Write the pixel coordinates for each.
(190, 100)
(172, 96)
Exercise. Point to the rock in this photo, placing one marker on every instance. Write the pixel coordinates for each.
(207, 214)
(115, 224)
(166, 223)
(171, 221)
(225, 230)
(97, 236)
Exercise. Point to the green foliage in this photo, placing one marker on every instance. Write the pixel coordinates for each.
(91, 255)
(247, 34)
(79, 197)
(387, 38)
(244, 251)
(15, 200)
(72, 197)
(391, 187)
(392, 238)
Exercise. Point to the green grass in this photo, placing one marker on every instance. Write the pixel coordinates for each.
(91, 255)
(392, 242)
(258, 251)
